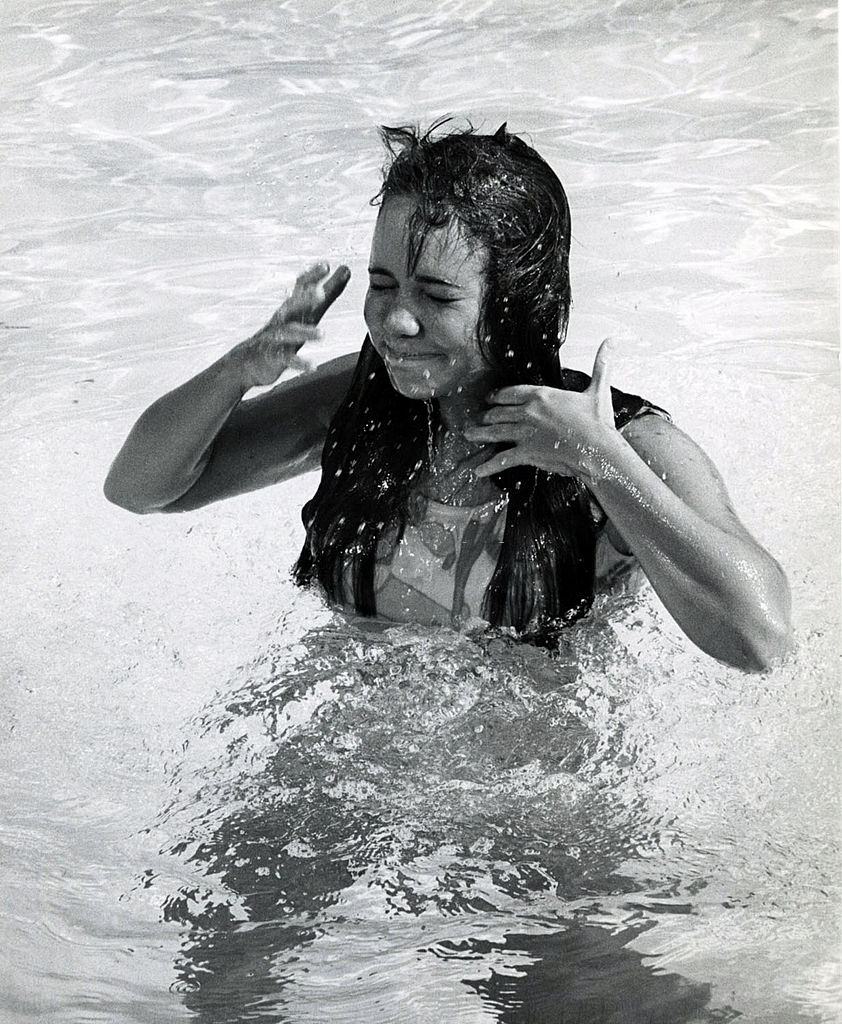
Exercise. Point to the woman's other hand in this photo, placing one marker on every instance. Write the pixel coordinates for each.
(558, 431)
(274, 348)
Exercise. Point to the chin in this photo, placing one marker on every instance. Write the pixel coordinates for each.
(422, 390)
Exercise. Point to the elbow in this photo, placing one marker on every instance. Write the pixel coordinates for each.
(767, 638)
(116, 497)
(143, 505)
(763, 653)
(124, 498)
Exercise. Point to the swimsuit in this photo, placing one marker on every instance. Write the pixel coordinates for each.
(439, 571)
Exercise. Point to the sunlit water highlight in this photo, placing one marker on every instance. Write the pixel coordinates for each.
(223, 803)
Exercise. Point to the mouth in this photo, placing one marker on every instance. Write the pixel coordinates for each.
(411, 356)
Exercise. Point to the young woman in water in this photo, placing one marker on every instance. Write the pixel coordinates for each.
(465, 474)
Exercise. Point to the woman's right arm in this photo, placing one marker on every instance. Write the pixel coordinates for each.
(202, 442)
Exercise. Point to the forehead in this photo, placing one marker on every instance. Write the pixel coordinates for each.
(446, 252)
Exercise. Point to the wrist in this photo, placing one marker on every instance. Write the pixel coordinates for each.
(236, 370)
(603, 457)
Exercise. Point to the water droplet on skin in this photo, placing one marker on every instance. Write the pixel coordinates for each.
(426, 375)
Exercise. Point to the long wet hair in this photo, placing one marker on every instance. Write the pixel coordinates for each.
(502, 195)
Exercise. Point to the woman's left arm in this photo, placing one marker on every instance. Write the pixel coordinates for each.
(665, 503)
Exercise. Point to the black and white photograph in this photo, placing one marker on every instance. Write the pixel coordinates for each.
(421, 506)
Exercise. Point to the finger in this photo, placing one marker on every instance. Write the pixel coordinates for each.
(333, 288)
(601, 366)
(502, 414)
(517, 394)
(312, 274)
(312, 296)
(499, 432)
(499, 462)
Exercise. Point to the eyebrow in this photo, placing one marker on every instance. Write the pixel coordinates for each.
(424, 278)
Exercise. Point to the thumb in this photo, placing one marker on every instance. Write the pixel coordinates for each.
(600, 384)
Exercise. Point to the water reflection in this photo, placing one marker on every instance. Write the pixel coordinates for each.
(586, 975)
(413, 796)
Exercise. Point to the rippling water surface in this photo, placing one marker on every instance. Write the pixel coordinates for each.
(221, 802)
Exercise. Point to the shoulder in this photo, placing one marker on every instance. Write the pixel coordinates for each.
(663, 445)
(627, 406)
(683, 466)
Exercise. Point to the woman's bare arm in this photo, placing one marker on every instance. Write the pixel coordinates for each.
(665, 503)
(205, 427)
(271, 438)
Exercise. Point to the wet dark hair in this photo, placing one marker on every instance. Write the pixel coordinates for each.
(505, 197)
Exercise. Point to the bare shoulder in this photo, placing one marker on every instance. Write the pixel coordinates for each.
(682, 464)
(273, 437)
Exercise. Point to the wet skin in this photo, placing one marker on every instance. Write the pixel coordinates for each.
(423, 320)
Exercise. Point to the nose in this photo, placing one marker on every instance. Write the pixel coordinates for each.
(402, 322)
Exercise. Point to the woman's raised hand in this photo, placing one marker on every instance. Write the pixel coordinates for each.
(557, 431)
(265, 356)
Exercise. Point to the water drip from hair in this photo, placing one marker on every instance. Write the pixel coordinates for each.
(428, 404)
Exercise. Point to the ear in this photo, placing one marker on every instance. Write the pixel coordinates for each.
(501, 132)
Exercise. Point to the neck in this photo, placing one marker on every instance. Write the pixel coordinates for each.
(457, 411)
(453, 457)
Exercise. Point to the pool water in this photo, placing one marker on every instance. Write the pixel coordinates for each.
(222, 802)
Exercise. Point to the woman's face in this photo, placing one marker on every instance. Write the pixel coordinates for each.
(424, 323)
